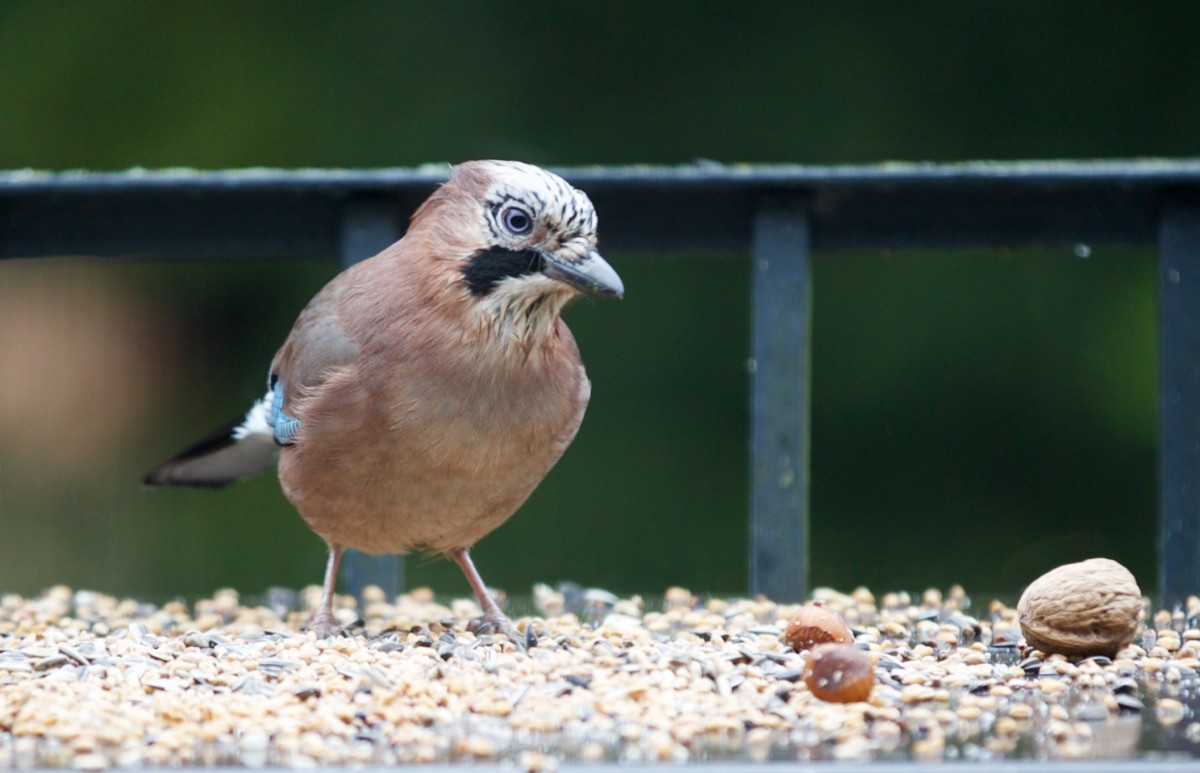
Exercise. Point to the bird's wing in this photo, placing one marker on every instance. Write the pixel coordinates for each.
(249, 444)
(317, 347)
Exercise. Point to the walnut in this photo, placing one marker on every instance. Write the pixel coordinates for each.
(1077, 610)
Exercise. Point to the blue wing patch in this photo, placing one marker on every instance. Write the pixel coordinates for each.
(285, 427)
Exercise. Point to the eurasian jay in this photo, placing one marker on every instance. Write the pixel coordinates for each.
(424, 393)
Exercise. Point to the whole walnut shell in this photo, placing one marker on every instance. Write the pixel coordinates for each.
(1077, 610)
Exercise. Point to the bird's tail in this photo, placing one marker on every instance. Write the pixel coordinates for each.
(241, 448)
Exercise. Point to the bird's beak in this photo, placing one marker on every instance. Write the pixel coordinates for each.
(591, 274)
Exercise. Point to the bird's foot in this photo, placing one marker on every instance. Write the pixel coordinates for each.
(325, 626)
(492, 623)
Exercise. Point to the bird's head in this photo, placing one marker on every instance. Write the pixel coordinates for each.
(526, 240)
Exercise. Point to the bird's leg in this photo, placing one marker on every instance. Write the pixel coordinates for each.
(493, 618)
(324, 624)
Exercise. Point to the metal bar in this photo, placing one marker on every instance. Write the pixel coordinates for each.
(369, 224)
(1179, 401)
(255, 213)
(781, 312)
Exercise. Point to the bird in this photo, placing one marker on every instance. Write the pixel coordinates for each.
(424, 393)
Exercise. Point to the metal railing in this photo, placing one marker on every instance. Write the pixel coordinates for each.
(776, 213)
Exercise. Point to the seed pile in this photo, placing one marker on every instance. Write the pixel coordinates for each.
(89, 682)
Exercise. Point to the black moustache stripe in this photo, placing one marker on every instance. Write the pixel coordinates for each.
(487, 268)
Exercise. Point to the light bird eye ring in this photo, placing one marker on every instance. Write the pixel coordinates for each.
(517, 220)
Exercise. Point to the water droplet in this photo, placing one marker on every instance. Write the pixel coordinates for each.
(1082, 250)
(1173, 276)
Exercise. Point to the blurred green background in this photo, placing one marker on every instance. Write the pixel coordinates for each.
(977, 417)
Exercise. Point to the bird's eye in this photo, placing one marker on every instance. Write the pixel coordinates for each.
(517, 220)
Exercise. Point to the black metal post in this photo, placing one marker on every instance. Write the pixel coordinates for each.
(368, 226)
(781, 312)
(1179, 401)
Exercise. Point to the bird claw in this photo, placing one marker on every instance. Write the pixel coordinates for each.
(325, 626)
(488, 625)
